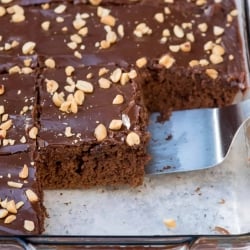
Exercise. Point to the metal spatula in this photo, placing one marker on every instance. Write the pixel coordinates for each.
(194, 139)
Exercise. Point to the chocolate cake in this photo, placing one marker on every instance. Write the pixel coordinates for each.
(95, 138)
(21, 210)
(78, 79)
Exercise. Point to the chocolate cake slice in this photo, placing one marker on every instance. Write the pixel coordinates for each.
(17, 127)
(92, 128)
(21, 209)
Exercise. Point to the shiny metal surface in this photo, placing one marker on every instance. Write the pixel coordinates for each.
(194, 139)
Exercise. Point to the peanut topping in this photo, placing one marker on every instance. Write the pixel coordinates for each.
(11, 207)
(3, 213)
(69, 70)
(65, 106)
(79, 23)
(51, 86)
(14, 70)
(104, 83)
(234, 13)
(83, 31)
(76, 38)
(2, 110)
(33, 133)
(17, 18)
(27, 62)
(170, 223)
(6, 125)
(68, 132)
(69, 88)
(58, 99)
(212, 73)
(142, 29)
(208, 45)
(100, 132)
(178, 31)
(159, 17)
(218, 30)
(50, 63)
(24, 173)
(72, 45)
(9, 219)
(26, 70)
(115, 124)
(203, 27)
(23, 139)
(216, 59)
(60, 9)
(2, 11)
(111, 37)
(166, 33)
(45, 25)
(103, 71)
(73, 106)
(190, 37)
(79, 97)
(174, 48)
(132, 139)
(19, 204)
(116, 75)
(167, 61)
(141, 62)
(85, 86)
(124, 78)
(218, 50)
(31, 195)
(185, 47)
(2, 89)
(14, 184)
(28, 48)
(120, 30)
(6, 1)
(108, 20)
(105, 44)
(119, 99)
(77, 54)
(95, 2)
(132, 74)
(3, 134)
(204, 62)
(29, 225)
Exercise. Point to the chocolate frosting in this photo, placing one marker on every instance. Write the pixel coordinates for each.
(11, 165)
(97, 108)
(127, 49)
(18, 100)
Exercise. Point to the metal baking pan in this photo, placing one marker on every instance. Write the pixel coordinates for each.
(206, 209)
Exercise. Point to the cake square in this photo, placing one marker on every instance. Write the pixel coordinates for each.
(92, 128)
(16, 112)
(21, 196)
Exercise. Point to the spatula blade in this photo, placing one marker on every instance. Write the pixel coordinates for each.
(189, 141)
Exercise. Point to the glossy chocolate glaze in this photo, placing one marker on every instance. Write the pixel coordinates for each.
(11, 165)
(18, 100)
(97, 108)
(53, 43)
